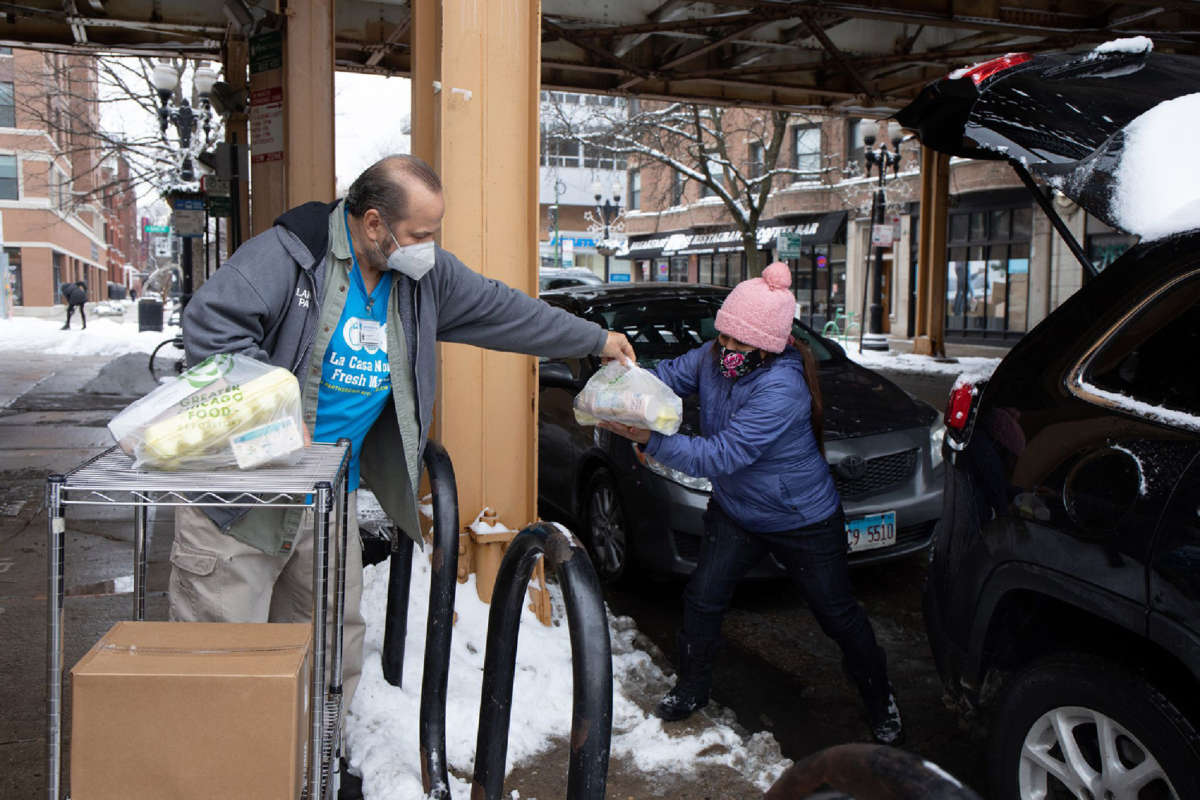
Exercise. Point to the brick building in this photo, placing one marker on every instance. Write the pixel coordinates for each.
(1007, 268)
(65, 214)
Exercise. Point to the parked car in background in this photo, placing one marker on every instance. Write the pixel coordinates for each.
(562, 277)
(1063, 595)
(883, 445)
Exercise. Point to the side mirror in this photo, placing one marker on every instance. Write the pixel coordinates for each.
(557, 375)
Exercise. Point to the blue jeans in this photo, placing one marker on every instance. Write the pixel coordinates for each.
(815, 559)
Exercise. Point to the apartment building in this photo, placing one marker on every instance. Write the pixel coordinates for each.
(571, 175)
(66, 214)
(1006, 268)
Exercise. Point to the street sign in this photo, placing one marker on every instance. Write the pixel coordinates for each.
(188, 216)
(266, 52)
(162, 248)
(618, 277)
(266, 125)
(188, 223)
(789, 245)
(882, 235)
(220, 206)
(158, 229)
(215, 187)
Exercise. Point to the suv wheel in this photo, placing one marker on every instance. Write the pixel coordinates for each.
(1079, 727)
(607, 542)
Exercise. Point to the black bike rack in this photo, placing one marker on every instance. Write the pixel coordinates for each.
(591, 649)
(440, 626)
(868, 772)
(591, 663)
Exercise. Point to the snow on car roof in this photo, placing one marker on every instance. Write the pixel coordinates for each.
(1157, 189)
(1132, 44)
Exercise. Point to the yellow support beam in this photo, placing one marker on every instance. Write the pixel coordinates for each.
(291, 114)
(930, 328)
(308, 102)
(475, 113)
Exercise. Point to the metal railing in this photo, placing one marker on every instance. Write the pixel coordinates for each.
(591, 650)
(591, 663)
(440, 626)
(868, 772)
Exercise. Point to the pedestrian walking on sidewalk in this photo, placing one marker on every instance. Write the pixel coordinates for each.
(75, 295)
(760, 444)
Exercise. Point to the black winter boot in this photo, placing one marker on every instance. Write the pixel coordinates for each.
(883, 712)
(886, 727)
(693, 682)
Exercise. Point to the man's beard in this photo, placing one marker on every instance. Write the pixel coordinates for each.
(376, 260)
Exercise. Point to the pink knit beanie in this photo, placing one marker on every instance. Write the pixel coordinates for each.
(759, 311)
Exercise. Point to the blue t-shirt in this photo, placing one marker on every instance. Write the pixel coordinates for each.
(355, 381)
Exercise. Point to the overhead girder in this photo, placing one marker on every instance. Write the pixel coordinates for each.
(806, 54)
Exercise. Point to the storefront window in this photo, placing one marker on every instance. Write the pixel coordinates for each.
(720, 275)
(706, 269)
(987, 272)
(679, 268)
(819, 281)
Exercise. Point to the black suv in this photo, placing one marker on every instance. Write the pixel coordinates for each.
(1064, 588)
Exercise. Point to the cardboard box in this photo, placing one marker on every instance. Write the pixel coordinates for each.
(186, 710)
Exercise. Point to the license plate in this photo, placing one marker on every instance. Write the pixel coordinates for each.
(875, 530)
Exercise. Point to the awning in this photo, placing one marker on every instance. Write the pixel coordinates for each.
(817, 229)
(652, 248)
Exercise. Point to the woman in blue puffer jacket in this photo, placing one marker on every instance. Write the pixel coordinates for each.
(760, 445)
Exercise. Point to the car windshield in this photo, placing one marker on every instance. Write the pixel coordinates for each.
(669, 327)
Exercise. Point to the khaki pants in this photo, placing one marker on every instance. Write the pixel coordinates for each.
(216, 578)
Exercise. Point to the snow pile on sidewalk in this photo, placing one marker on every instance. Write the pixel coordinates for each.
(907, 362)
(103, 336)
(382, 727)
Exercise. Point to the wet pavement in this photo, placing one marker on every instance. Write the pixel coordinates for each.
(777, 674)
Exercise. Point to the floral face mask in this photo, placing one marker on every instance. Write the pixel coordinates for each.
(736, 363)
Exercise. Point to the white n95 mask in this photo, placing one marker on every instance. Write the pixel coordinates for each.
(413, 260)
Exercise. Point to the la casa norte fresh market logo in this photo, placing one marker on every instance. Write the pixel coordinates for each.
(208, 370)
(352, 333)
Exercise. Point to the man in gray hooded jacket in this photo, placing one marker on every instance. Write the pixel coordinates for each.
(303, 295)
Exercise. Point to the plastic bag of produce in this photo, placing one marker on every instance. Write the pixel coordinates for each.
(227, 411)
(630, 395)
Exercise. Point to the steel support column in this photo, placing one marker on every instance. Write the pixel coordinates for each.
(930, 327)
(475, 113)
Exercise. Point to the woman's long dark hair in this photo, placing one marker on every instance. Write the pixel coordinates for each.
(814, 389)
(810, 377)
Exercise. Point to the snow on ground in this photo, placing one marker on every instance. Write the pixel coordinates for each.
(382, 727)
(104, 336)
(907, 362)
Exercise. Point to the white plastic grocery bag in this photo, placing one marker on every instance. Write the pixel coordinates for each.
(630, 395)
(227, 411)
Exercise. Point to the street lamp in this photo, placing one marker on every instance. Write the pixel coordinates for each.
(883, 158)
(609, 219)
(165, 78)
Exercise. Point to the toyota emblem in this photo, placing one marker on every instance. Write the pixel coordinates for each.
(852, 467)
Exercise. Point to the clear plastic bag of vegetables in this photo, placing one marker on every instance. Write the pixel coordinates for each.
(628, 394)
(227, 411)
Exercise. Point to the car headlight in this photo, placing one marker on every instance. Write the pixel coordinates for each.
(937, 435)
(672, 474)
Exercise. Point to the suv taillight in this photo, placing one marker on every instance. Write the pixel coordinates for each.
(981, 72)
(958, 408)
